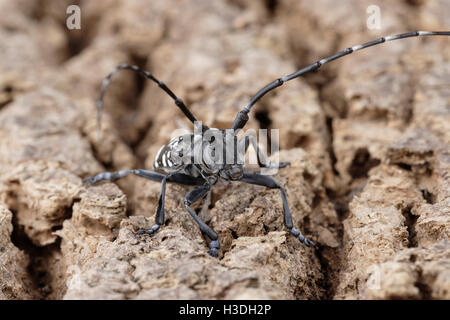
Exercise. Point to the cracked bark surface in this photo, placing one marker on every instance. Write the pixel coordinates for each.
(367, 137)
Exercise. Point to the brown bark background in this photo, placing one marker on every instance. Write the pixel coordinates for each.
(368, 137)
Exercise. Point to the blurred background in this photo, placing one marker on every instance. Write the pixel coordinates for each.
(385, 107)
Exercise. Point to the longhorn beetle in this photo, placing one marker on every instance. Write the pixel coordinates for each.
(170, 164)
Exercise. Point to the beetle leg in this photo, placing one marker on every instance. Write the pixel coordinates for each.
(262, 161)
(192, 197)
(113, 176)
(266, 181)
(159, 216)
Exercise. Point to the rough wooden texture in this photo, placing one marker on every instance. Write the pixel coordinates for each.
(368, 138)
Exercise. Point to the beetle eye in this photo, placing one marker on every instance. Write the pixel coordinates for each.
(212, 139)
(180, 154)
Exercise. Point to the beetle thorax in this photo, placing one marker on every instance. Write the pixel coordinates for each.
(213, 153)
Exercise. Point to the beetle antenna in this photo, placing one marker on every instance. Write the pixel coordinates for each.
(178, 102)
(242, 117)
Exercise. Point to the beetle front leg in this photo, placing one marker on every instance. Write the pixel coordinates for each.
(116, 175)
(159, 217)
(266, 181)
(262, 160)
(192, 197)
